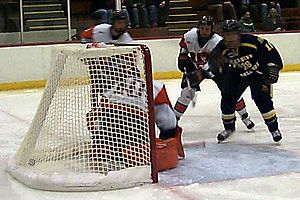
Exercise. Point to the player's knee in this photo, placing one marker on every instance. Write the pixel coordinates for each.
(186, 94)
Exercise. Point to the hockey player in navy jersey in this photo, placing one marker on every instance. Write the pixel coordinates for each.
(247, 61)
(195, 47)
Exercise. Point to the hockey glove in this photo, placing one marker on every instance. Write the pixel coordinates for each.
(271, 74)
(185, 63)
(207, 72)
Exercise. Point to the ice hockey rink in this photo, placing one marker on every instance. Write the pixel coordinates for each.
(249, 165)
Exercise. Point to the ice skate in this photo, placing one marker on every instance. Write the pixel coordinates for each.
(248, 123)
(224, 134)
(276, 135)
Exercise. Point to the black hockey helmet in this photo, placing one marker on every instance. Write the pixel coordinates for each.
(206, 20)
(118, 15)
(230, 25)
(119, 23)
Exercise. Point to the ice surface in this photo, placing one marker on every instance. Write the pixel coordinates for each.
(248, 166)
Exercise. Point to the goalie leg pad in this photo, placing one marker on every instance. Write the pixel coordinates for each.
(174, 133)
(166, 154)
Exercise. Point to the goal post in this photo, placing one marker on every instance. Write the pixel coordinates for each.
(94, 126)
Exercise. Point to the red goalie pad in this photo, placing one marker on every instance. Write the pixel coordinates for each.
(166, 154)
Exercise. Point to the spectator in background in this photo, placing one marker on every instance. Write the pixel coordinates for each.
(222, 10)
(267, 4)
(273, 22)
(247, 5)
(246, 23)
(106, 8)
(137, 10)
(228, 10)
(100, 8)
(159, 12)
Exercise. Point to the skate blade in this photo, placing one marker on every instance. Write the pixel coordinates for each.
(224, 138)
(251, 130)
(223, 141)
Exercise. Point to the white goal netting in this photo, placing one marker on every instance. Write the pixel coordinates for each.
(92, 127)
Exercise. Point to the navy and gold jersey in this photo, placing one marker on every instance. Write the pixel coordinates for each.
(253, 55)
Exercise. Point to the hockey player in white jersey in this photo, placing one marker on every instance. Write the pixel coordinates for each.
(195, 47)
(109, 33)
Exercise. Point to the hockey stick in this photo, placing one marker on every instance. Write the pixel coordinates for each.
(193, 95)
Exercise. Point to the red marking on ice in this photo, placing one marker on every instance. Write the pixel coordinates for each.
(178, 192)
(15, 116)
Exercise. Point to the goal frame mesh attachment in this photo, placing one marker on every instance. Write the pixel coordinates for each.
(94, 127)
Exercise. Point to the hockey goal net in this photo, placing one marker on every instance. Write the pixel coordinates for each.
(94, 127)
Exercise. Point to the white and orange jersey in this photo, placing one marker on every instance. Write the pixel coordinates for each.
(189, 43)
(160, 95)
(102, 33)
(164, 116)
(86, 36)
